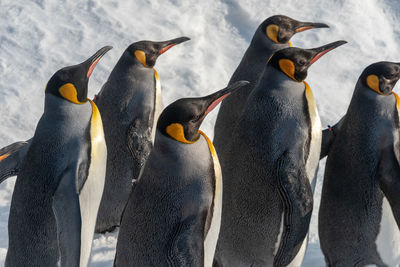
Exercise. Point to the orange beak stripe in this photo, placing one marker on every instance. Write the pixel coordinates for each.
(301, 29)
(91, 68)
(162, 51)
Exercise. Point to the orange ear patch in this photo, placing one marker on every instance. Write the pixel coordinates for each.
(287, 66)
(141, 56)
(272, 31)
(175, 130)
(68, 91)
(373, 83)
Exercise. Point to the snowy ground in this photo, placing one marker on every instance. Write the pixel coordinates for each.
(40, 36)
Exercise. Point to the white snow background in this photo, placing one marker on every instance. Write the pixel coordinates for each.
(41, 36)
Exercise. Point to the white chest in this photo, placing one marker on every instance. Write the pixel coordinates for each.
(91, 192)
(210, 242)
(158, 105)
(388, 239)
(316, 136)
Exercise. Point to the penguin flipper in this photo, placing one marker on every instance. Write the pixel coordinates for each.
(328, 137)
(389, 179)
(297, 197)
(186, 246)
(68, 218)
(139, 142)
(11, 158)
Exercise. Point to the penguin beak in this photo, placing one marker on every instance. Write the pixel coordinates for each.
(165, 46)
(303, 26)
(285, 33)
(318, 52)
(216, 98)
(93, 60)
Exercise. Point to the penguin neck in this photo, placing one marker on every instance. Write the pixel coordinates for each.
(62, 107)
(275, 81)
(181, 152)
(371, 112)
(368, 101)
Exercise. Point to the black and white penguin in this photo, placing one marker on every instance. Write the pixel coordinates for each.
(273, 156)
(61, 178)
(272, 35)
(130, 103)
(359, 215)
(173, 214)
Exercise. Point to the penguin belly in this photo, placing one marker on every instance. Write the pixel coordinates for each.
(315, 137)
(92, 191)
(158, 106)
(388, 239)
(210, 242)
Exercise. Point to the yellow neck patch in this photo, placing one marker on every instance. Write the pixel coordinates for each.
(287, 66)
(210, 144)
(272, 32)
(373, 83)
(175, 130)
(397, 102)
(141, 56)
(68, 91)
(290, 44)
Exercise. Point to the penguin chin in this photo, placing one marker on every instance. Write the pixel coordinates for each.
(192, 132)
(386, 90)
(151, 60)
(284, 38)
(300, 76)
(82, 97)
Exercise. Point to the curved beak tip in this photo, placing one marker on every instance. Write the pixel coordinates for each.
(341, 42)
(323, 25)
(180, 40)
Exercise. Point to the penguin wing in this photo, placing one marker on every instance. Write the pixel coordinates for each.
(68, 218)
(11, 158)
(139, 140)
(296, 194)
(328, 137)
(186, 246)
(389, 179)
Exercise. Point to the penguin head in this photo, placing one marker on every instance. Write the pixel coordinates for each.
(71, 83)
(381, 76)
(280, 29)
(181, 120)
(294, 61)
(147, 52)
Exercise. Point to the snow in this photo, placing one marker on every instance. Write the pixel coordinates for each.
(39, 37)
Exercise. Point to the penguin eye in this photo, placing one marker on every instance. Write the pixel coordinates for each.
(301, 62)
(391, 76)
(196, 119)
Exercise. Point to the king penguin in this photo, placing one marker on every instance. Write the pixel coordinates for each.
(173, 214)
(359, 215)
(59, 186)
(130, 102)
(273, 154)
(272, 35)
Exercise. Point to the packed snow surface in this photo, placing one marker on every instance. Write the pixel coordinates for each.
(39, 37)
